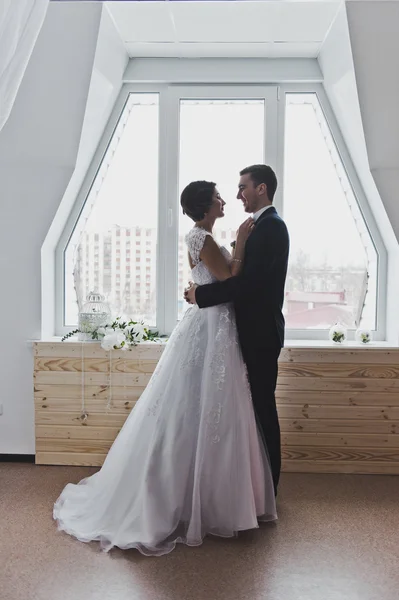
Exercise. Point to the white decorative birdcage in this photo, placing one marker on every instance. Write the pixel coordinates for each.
(95, 313)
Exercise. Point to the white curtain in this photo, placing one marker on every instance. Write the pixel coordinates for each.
(20, 24)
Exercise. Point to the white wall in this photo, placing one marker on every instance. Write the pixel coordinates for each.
(38, 150)
(109, 66)
(222, 70)
(342, 88)
(373, 30)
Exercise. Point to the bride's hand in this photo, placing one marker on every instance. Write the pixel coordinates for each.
(244, 231)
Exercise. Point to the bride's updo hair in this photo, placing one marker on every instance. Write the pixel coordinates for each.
(196, 199)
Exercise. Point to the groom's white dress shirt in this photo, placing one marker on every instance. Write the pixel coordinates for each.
(258, 213)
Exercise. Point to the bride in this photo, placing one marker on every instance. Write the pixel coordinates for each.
(189, 460)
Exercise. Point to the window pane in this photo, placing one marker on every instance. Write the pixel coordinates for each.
(332, 273)
(218, 138)
(113, 247)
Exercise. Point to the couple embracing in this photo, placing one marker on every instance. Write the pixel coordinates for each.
(200, 452)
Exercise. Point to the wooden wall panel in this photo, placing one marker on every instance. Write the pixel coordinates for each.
(338, 406)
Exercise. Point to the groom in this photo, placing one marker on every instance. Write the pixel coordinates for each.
(258, 295)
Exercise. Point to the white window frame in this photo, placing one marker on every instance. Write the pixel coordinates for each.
(60, 328)
(379, 333)
(168, 206)
(269, 94)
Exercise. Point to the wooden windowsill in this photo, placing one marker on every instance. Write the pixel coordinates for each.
(309, 344)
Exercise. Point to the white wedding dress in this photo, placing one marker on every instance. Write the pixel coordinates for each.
(188, 460)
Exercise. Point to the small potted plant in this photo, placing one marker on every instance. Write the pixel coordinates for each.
(363, 336)
(338, 334)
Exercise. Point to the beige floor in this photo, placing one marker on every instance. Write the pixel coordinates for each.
(337, 539)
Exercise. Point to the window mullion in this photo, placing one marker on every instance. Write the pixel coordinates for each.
(162, 211)
(271, 124)
(169, 199)
(280, 136)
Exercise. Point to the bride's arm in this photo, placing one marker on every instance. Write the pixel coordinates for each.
(214, 259)
(190, 261)
(239, 246)
(238, 257)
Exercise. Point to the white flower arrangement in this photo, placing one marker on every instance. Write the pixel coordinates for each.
(120, 335)
(338, 334)
(363, 336)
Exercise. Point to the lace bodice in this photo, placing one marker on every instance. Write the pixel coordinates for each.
(195, 240)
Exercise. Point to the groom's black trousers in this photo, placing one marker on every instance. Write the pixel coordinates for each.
(262, 369)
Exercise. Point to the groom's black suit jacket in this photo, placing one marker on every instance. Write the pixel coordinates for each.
(258, 291)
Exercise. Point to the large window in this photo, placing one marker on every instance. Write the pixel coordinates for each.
(125, 238)
(332, 275)
(218, 138)
(113, 247)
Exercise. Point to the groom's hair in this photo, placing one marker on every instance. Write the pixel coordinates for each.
(196, 199)
(262, 174)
